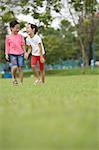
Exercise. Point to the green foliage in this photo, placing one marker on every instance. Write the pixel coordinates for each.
(3, 8)
(22, 24)
(3, 33)
(23, 3)
(60, 44)
(96, 38)
(38, 2)
(45, 18)
(53, 48)
(86, 25)
(30, 7)
(8, 16)
(87, 5)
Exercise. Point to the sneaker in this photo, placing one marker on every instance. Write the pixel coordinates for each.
(15, 82)
(36, 82)
(40, 81)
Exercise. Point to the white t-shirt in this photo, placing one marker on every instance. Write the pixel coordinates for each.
(34, 41)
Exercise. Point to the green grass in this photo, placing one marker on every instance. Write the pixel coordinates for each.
(74, 71)
(62, 114)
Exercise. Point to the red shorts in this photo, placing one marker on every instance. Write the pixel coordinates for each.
(35, 59)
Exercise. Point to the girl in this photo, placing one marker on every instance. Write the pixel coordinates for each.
(15, 49)
(35, 45)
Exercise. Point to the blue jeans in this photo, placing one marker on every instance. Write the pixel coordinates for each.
(17, 60)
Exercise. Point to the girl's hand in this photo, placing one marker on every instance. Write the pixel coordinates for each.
(42, 60)
(26, 56)
(7, 57)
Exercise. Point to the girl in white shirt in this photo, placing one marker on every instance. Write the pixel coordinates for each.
(35, 46)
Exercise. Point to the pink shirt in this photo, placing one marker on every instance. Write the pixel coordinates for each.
(14, 44)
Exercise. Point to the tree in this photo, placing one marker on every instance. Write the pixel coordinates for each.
(32, 7)
(3, 33)
(60, 44)
(96, 38)
(85, 24)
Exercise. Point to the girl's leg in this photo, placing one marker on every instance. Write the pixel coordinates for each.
(34, 60)
(36, 71)
(14, 68)
(13, 71)
(42, 75)
(21, 74)
(42, 72)
(20, 67)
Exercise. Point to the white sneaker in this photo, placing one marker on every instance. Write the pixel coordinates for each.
(40, 81)
(36, 82)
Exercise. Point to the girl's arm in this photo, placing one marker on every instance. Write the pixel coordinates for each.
(23, 47)
(28, 52)
(41, 54)
(29, 49)
(7, 49)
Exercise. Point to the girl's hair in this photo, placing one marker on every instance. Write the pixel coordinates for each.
(13, 23)
(34, 27)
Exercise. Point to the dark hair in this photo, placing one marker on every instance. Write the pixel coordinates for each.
(34, 27)
(13, 23)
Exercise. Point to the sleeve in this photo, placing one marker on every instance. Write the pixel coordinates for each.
(7, 45)
(22, 41)
(27, 42)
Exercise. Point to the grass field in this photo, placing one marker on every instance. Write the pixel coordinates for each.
(62, 114)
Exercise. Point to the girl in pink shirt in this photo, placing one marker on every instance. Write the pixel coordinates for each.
(15, 49)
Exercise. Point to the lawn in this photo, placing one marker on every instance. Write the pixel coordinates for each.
(61, 114)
